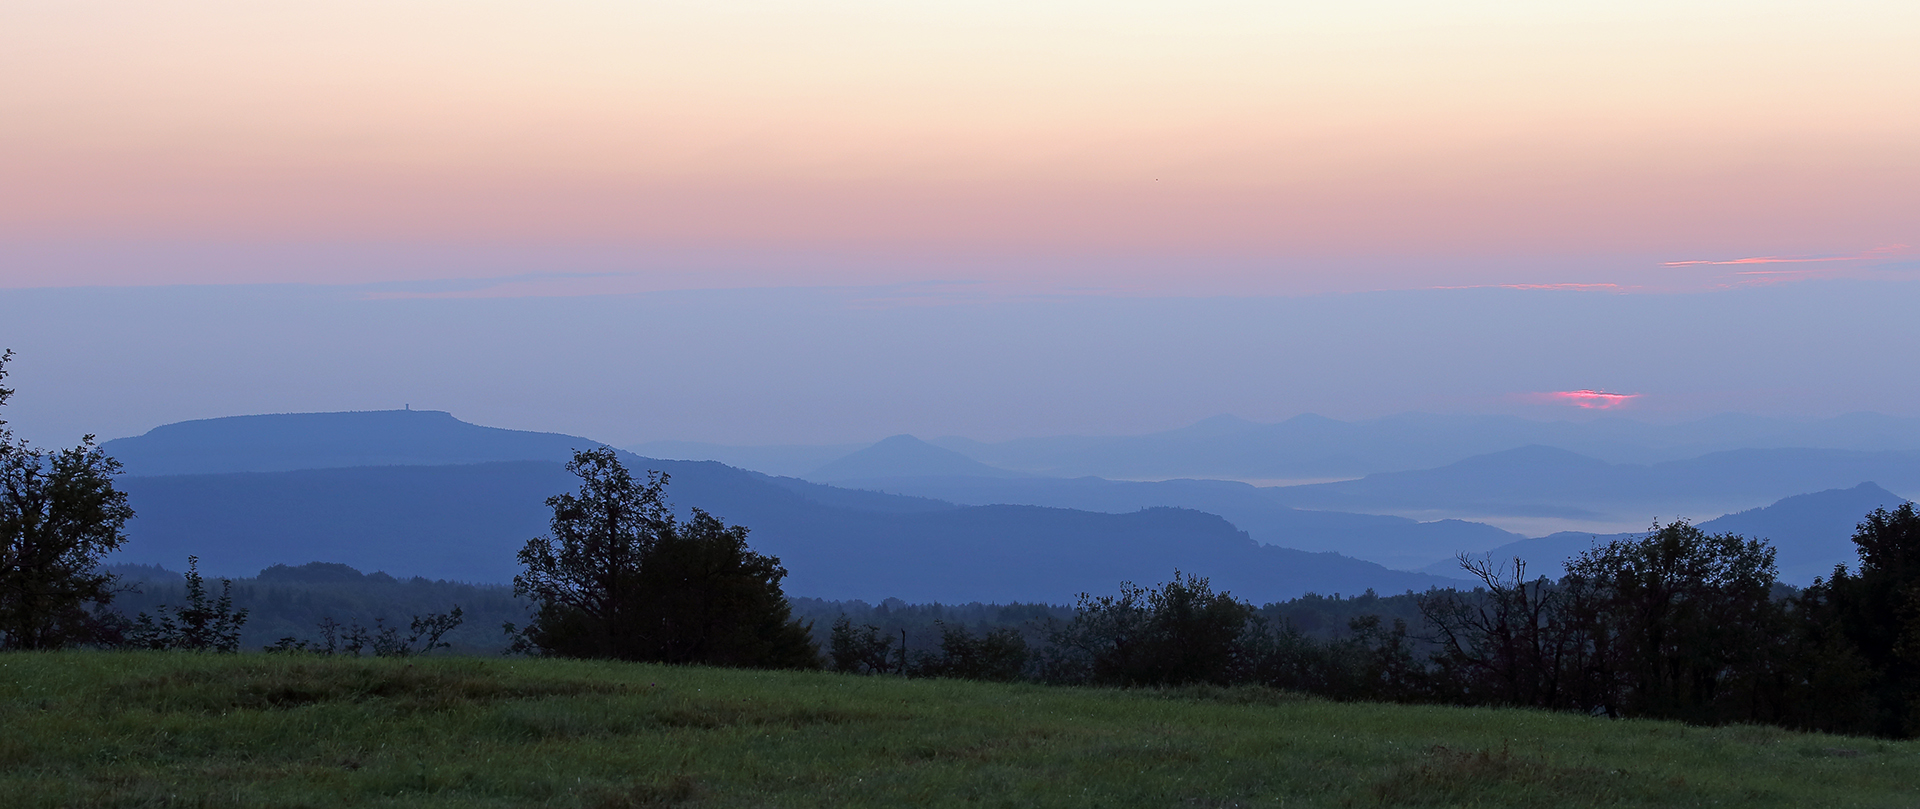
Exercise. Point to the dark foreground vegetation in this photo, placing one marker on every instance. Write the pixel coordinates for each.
(1676, 624)
(194, 729)
(298, 600)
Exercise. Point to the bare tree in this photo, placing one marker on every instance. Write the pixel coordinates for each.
(1508, 642)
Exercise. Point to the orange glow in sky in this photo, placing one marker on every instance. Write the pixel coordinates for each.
(1241, 146)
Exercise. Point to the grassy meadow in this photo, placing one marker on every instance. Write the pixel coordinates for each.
(183, 729)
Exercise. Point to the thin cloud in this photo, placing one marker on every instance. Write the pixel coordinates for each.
(1573, 287)
(1581, 287)
(1878, 252)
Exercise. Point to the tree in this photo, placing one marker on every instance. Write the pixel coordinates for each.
(1508, 642)
(620, 577)
(1865, 629)
(855, 651)
(1681, 623)
(59, 515)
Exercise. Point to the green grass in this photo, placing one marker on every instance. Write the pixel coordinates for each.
(171, 729)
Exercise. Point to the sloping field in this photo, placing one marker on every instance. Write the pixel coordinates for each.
(174, 729)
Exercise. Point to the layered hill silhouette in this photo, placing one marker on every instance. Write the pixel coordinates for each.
(1396, 542)
(1352, 517)
(1812, 532)
(904, 456)
(1545, 481)
(265, 497)
(1315, 447)
(783, 460)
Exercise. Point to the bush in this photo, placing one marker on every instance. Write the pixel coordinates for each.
(204, 624)
(1181, 633)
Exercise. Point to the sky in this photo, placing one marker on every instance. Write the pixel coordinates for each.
(1150, 147)
(984, 159)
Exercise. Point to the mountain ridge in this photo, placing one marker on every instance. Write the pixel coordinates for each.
(465, 521)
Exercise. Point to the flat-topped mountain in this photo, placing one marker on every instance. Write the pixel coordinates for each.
(286, 441)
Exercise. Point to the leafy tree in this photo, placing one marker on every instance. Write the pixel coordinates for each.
(620, 577)
(1182, 632)
(862, 650)
(1865, 630)
(59, 515)
(1682, 623)
(204, 624)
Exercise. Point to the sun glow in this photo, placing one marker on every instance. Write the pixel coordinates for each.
(1587, 399)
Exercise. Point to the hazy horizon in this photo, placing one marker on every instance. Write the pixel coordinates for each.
(843, 365)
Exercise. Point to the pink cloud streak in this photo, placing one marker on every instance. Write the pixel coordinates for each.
(1569, 286)
(1588, 399)
(1881, 252)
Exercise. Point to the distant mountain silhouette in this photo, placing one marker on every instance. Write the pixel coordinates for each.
(787, 460)
(1812, 532)
(1543, 481)
(465, 521)
(1396, 542)
(904, 456)
(274, 443)
(1315, 447)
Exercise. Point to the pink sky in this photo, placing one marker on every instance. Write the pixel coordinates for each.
(1155, 148)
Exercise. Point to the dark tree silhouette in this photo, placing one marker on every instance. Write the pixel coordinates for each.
(999, 655)
(620, 577)
(1681, 623)
(860, 650)
(59, 514)
(1507, 642)
(1866, 630)
(1183, 632)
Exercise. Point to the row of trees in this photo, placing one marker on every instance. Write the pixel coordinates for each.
(1677, 624)
(1688, 625)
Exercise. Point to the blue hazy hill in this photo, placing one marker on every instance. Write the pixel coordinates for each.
(436, 517)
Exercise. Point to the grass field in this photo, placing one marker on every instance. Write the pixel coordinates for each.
(176, 729)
